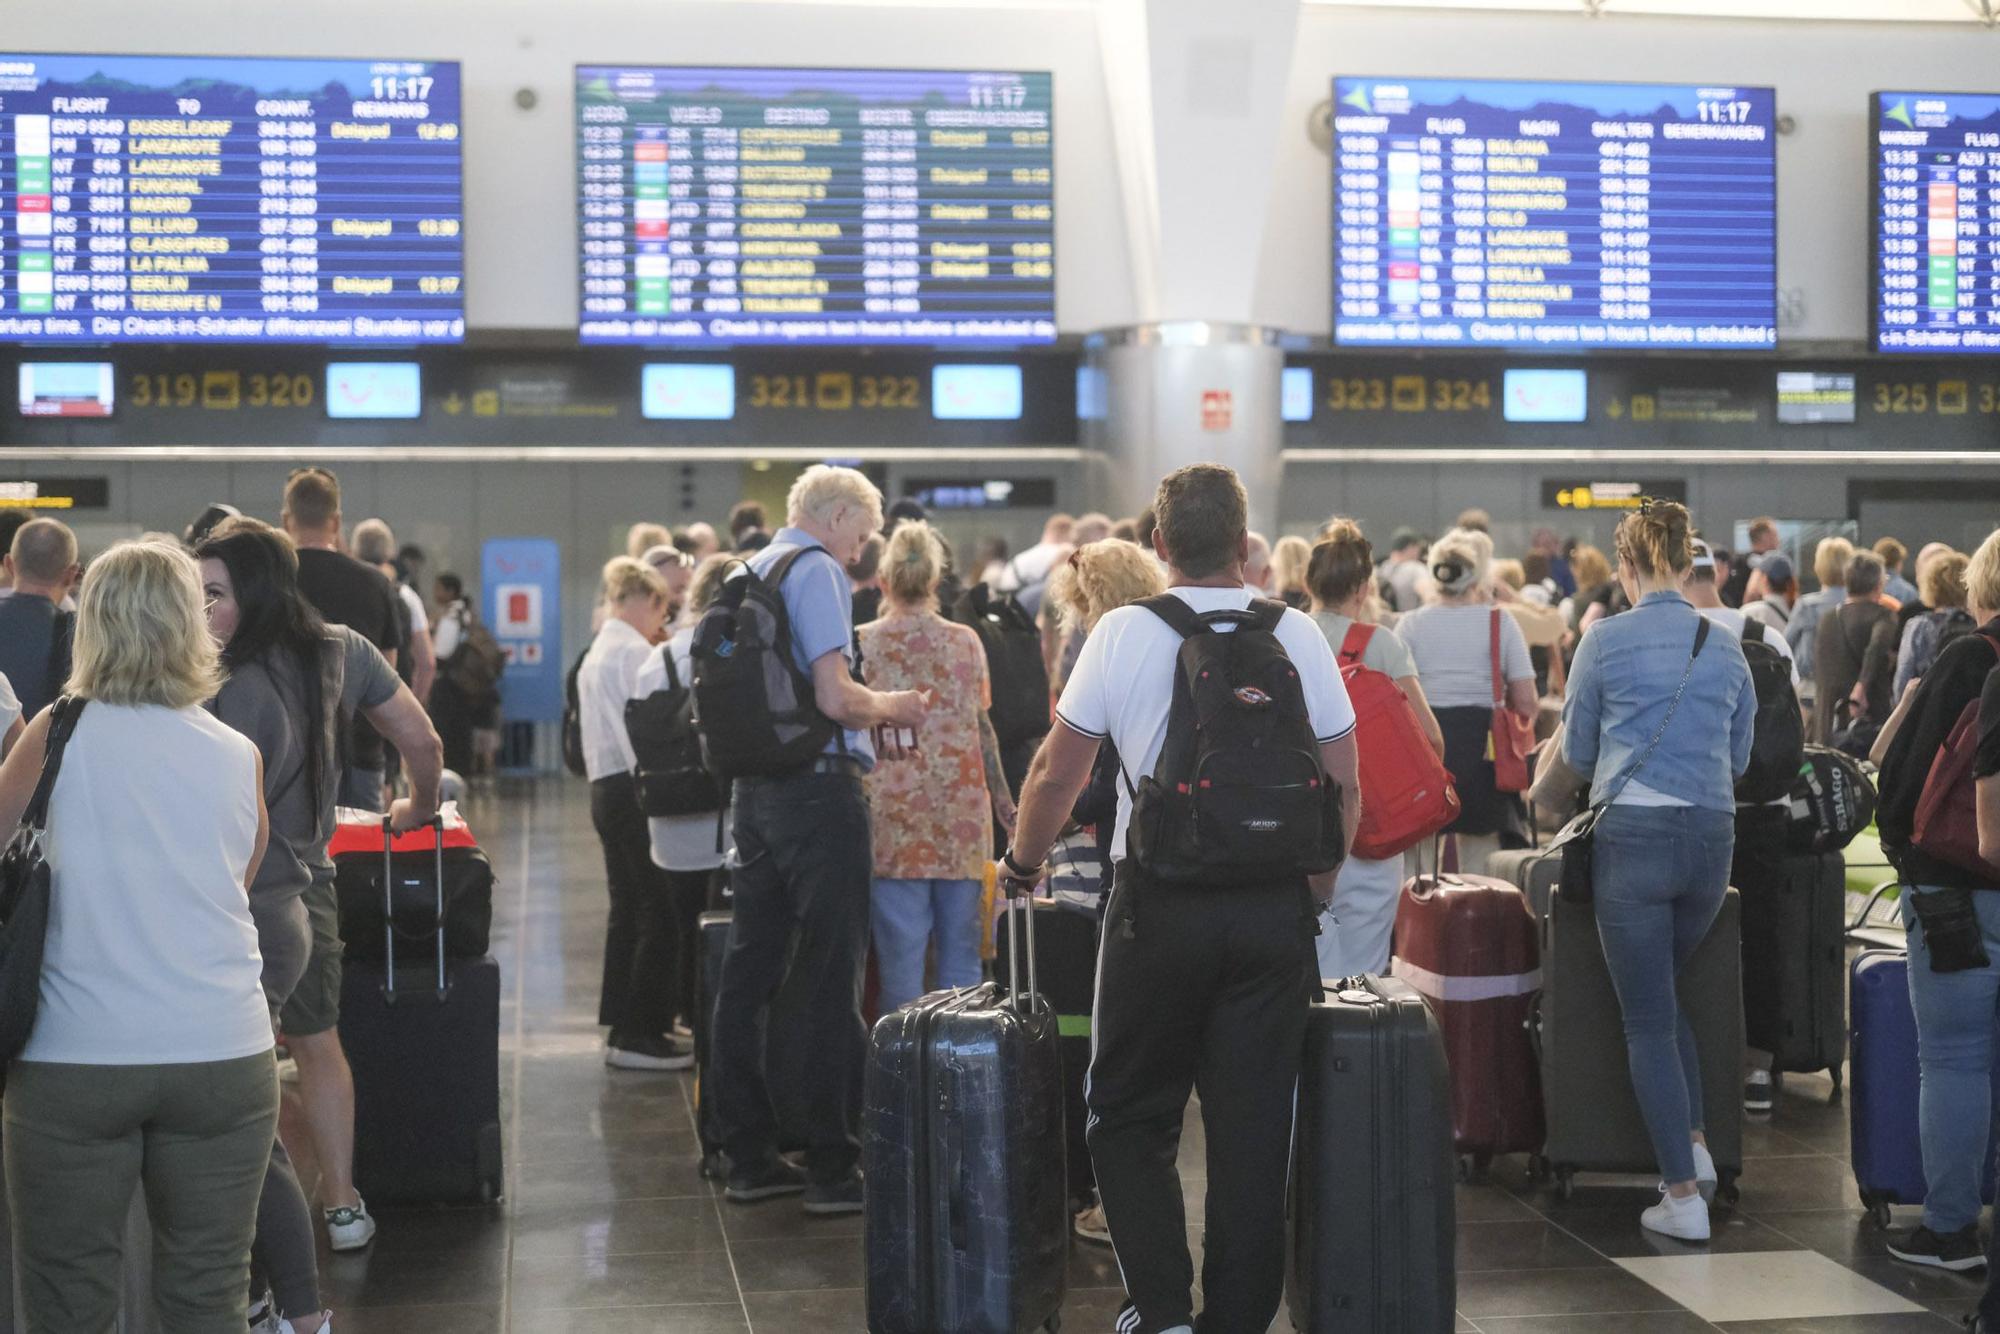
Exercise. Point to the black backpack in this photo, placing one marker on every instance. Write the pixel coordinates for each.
(1014, 662)
(572, 720)
(1832, 801)
(1779, 745)
(1239, 795)
(671, 776)
(754, 709)
(475, 666)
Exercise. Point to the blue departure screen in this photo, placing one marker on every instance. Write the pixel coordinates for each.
(1937, 222)
(1495, 213)
(815, 206)
(168, 198)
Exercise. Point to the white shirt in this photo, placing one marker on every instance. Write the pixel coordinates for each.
(449, 629)
(1453, 647)
(151, 955)
(1123, 684)
(609, 678)
(10, 705)
(680, 842)
(1027, 575)
(1732, 620)
(413, 603)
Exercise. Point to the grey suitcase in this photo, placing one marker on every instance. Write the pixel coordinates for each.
(1534, 871)
(1594, 1123)
(1373, 1204)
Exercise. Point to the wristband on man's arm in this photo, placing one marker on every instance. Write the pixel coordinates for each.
(1015, 869)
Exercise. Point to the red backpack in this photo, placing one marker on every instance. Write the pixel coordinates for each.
(1947, 820)
(1406, 794)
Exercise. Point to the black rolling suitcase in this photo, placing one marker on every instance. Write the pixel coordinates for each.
(1066, 943)
(1373, 1207)
(1594, 1121)
(1794, 946)
(423, 1039)
(967, 1227)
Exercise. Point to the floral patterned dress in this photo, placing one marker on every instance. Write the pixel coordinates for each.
(932, 814)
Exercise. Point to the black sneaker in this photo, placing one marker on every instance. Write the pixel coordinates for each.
(645, 1051)
(834, 1197)
(1956, 1251)
(1757, 1090)
(764, 1182)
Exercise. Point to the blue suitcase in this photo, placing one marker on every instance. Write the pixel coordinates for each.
(1887, 1150)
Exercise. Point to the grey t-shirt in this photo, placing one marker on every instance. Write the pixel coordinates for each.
(265, 700)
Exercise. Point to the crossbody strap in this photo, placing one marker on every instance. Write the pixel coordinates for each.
(62, 722)
(667, 657)
(1700, 638)
(1499, 683)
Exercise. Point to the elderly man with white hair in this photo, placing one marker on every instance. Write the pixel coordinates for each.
(804, 865)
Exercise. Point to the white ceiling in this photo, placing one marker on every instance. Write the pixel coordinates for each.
(1888, 11)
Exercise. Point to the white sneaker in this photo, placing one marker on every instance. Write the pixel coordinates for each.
(349, 1228)
(1704, 1172)
(288, 1070)
(326, 1325)
(264, 1316)
(1684, 1220)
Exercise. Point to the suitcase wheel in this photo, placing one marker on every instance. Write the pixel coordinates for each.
(1565, 1183)
(1833, 1099)
(714, 1166)
(1877, 1206)
(1053, 1324)
(1538, 1167)
(492, 1176)
(1726, 1189)
(1474, 1164)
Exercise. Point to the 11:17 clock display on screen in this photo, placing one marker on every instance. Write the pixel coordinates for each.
(1554, 215)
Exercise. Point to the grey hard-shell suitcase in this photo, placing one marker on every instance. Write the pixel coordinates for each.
(1534, 871)
(1373, 1207)
(1594, 1122)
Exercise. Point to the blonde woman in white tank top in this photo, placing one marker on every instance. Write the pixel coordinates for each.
(150, 1060)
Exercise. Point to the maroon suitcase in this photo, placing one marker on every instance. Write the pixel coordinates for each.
(1468, 945)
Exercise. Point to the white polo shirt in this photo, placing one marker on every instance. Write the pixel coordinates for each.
(1123, 684)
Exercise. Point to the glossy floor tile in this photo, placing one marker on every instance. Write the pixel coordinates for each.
(609, 1228)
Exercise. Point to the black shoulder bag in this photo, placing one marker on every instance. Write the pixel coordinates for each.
(1577, 841)
(24, 895)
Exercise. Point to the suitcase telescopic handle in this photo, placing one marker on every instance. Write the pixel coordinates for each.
(1014, 932)
(436, 823)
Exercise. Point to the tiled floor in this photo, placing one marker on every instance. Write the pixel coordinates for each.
(608, 1228)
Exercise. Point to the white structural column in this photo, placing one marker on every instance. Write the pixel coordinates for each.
(1199, 86)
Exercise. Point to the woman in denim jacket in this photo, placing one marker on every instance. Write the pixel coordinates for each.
(1663, 846)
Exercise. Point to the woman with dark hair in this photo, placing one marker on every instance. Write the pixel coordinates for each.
(290, 677)
(1340, 574)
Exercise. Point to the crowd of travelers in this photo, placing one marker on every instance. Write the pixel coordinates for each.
(937, 732)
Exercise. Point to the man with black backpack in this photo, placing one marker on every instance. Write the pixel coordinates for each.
(780, 712)
(1237, 799)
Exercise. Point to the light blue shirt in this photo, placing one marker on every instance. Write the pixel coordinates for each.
(1802, 631)
(1621, 685)
(819, 600)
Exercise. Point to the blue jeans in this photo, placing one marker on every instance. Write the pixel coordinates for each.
(906, 913)
(1660, 873)
(1955, 1055)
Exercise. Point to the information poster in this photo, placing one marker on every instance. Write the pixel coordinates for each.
(520, 580)
(831, 206)
(175, 198)
(1504, 214)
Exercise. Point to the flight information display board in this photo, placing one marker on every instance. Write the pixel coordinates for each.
(172, 198)
(1492, 213)
(815, 206)
(1937, 222)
